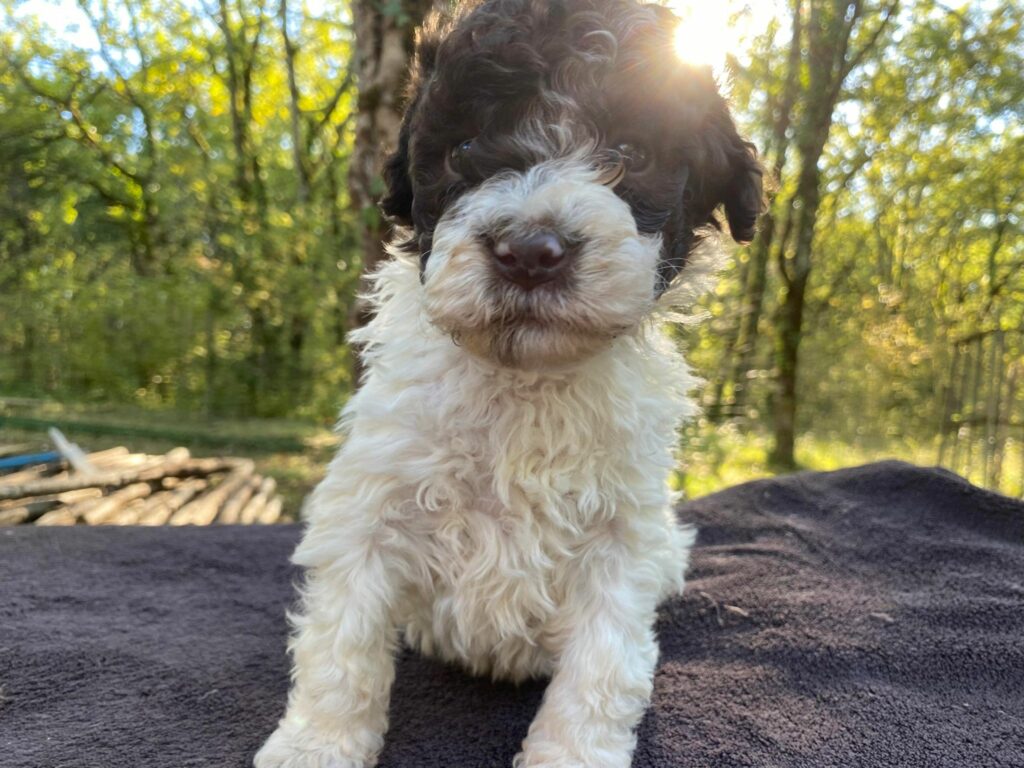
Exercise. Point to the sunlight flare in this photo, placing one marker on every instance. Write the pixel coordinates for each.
(703, 37)
(711, 30)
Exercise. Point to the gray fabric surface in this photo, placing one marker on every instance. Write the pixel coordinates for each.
(867, 617)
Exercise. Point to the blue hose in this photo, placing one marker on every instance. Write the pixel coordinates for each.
(27, 460)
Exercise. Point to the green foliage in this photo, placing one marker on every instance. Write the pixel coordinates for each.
(169, 235)
(919, 238)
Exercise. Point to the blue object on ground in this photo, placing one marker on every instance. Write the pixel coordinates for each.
(27, 460)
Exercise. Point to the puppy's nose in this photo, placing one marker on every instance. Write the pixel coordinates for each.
(531, 260)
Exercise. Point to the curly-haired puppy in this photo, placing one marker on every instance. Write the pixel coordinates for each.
(501, 498)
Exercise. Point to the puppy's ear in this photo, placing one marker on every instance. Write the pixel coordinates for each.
(733, 171)
(743, 197)
(398, 197)
(397, 201)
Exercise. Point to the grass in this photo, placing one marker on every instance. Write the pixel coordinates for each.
(295, 453)
(260, 434)
(717, 456)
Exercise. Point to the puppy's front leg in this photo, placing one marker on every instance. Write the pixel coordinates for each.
(343, 663)
(602, 681)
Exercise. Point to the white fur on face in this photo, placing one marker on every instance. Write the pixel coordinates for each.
(611, 279)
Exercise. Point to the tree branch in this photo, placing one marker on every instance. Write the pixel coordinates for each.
(855, 61)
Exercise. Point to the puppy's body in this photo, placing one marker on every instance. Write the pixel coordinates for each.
(501, 498)
(492, 513)
(495, 489)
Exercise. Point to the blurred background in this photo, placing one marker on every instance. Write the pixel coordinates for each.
(187, 207)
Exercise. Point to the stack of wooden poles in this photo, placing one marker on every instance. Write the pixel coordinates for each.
(118, 487)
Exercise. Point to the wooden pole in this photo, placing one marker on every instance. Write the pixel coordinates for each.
(132, 512)
(257, 505)
(32, 473)
(27, 511)
(101, 511)
(961, 403)
(993, 385)
(272, 512)
(15, 449)
(949, 403)
(1004, 418)
(979, 364)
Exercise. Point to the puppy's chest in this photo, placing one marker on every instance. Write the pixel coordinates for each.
(488, 525)
(494, 582)
(507, 498)
(496, 538)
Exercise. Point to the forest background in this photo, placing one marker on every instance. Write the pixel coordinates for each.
(187, 206)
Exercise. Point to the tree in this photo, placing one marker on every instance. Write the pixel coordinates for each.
(839, 37)
(178, 229)
(780, 101)
(201, 249)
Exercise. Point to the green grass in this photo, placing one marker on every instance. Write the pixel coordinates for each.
(295, 453)
(265, 435)
(717, 456)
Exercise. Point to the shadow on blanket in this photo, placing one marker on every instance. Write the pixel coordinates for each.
(867, 617)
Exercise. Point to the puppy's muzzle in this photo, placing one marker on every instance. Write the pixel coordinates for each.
(530, 260)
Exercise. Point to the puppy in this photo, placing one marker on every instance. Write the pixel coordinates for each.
(501, 498)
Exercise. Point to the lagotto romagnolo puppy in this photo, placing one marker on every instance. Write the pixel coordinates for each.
(501, 497)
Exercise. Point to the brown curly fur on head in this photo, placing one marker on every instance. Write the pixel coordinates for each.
(528, 80)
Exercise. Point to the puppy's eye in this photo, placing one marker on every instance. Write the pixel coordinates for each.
(634, 156)
(460, 155)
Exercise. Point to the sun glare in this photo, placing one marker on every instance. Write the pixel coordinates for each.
(710, 30)
(703, 36)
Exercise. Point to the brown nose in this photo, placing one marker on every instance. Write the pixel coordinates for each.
(531, 260)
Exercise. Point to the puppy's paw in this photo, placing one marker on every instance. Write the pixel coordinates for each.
(551, 753)
(297, 747)
(545, 755)
(524, 760)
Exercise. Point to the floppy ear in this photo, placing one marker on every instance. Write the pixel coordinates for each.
(397, 201)
(730, 175)
(398, 197)
(727, 171)
(743, 197)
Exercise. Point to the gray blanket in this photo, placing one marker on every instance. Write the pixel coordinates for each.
(867, 617)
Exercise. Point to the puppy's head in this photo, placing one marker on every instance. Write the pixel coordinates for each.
(556, 165)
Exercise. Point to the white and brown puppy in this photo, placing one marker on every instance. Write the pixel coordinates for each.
(501, 497)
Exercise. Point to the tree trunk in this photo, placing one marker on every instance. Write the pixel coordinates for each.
(795, 278)
(742, 353)
(790, 326)
(383, 49)
(295, 111)
(829, 31)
